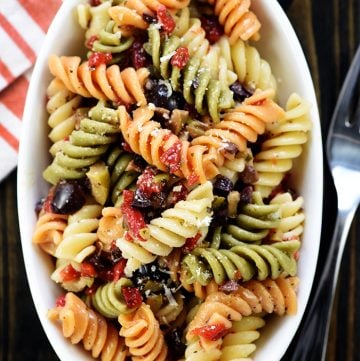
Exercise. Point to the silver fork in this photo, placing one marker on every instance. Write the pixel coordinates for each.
(343, 155)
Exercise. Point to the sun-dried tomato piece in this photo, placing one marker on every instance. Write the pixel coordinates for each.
(146, 183)
(181, 57)
(69, 273)
(47, 205)
(211, 332)
(89, 291)
(60, 301)
(191, 243)
(126, 147)
(97, 58)
(90, 42)
(94, 2)
(165, 19)
(118, 269)
(88, 270)
(172, 157)
(133, 218)
(193, 179)
(132, 296)
(179, 193)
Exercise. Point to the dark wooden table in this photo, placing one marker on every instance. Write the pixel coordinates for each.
(329, 31)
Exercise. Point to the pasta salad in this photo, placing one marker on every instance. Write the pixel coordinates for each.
(170, 217)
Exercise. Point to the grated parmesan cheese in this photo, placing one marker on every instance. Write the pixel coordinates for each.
(167, 56)
(169, 296)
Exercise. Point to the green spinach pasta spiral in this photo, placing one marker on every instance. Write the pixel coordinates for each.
(253, 222)
(94, 19)
(108, 299)
(202, 81)
(110, 40)
(244, 262)
(121, 177)
(85, 145)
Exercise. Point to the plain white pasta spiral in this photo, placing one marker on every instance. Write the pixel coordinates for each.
(252, 70)
(63, 108)
(194, 352)
(284, 144)
(80, 234)
(292, 217)
(185, 220)
(239, 344)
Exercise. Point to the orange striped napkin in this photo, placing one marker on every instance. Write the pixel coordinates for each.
(23, 25)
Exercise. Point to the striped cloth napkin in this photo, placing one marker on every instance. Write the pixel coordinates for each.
(23, 25)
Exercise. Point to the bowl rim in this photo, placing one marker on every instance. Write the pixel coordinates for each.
(30, 255)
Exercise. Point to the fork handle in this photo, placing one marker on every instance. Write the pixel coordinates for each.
(311, 338)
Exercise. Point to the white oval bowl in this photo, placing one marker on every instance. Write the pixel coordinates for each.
(281, 48)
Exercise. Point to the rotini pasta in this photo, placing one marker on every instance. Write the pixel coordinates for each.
(49, 230)
(195, 352)
(197, 288)
(278, 296)
(239, 344)
(292, 217)
(243, 262)
(79, 323)
(101, 82)
(238, 20)
(254, 221)
(242, 124)
(143, 335)
(285, 143)
(85, 145)
(122, 175)
(187, 219)
(62, 106)
(146, 138)
(108, 299)
(252, 70)
(80, 234)
(110, 226)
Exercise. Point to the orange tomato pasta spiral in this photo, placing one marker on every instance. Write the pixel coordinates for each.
(199, 291)
(130, 12)
(146, 138)
(101, 82)
(269, 296)
(241, 124)
(49, 231)
(238, 21)
(142, 335)
(110, 226)
(80, 323)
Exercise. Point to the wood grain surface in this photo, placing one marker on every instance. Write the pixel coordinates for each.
(329, 31)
